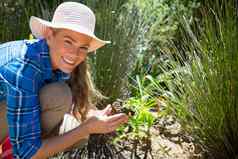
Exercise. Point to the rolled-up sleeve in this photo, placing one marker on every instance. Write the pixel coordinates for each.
(23, 108)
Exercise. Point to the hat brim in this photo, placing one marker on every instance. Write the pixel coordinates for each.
(38, 27)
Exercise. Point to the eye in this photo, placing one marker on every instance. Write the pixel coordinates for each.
(68, 43)
(83, 49)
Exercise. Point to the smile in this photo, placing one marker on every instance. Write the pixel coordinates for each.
(68, 61)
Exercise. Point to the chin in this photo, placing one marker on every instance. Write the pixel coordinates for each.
(66, 70)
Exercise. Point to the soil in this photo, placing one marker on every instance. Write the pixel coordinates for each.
(168, 141)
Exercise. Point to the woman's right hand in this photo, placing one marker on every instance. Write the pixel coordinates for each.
(101, 124)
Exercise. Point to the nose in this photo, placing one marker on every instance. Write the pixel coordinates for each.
(77, 52)
(74, 53)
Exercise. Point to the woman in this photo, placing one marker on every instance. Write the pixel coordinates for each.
(34, 94)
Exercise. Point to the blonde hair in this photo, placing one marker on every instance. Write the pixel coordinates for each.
(83, 90)
(82, 87)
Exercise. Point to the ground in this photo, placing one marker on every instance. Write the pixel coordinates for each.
(168, 141)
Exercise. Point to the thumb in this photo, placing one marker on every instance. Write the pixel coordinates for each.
(107, 110)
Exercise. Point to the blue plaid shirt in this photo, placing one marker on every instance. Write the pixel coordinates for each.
(25, 67)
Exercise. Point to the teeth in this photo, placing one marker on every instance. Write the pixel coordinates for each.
(68, 60)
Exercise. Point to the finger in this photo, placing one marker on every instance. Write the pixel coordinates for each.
(115, 125)
(116, 117)
(112, 126)
(107, 110)
(118, 122)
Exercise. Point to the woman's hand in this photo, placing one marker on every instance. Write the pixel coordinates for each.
(100, 121)
(95, 112)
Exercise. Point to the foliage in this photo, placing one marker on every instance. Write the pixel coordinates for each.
(8, 25)
(162, 20)
(121, 24)
(142, 111)
(161, 17)
(18, 13)
(198, 78)
(204, 95)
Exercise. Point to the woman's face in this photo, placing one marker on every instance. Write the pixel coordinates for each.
(67, 48)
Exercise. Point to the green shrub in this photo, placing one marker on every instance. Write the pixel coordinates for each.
(204, 95)
(161, 20)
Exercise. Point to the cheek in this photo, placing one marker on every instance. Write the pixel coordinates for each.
(60, 53)
(81, 59)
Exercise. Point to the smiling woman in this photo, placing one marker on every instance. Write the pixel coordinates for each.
(67, 48)
(33, 73)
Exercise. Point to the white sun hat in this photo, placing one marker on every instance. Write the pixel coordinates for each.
(73, 16)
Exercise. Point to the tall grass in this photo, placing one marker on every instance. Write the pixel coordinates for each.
(162, 21)
(121, 24)
(200, 79)
(15, 15)
(204, 94)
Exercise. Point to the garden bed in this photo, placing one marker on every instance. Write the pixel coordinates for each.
(168, 141)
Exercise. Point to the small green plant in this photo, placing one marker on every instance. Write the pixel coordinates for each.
(141, 119)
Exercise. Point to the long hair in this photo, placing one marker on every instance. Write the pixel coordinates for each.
(83, 90)
(82, 87)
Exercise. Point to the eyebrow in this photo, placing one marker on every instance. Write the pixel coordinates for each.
(66, 36)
